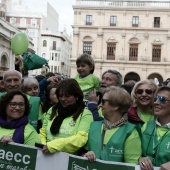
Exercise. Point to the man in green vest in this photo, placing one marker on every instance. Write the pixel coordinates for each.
(156, 134)
(12, 80)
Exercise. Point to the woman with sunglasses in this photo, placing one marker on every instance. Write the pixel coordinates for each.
(156, 134)
(14, 126)
(142, 96)
(113, 138)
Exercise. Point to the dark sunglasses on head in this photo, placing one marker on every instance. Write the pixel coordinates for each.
(104, 100)
(147, 91)
(162, 99)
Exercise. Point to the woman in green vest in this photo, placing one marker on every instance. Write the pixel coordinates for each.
(30, 87)
(114, 138)
(156, 134)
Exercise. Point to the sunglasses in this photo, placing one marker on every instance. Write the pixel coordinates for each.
(147, 91)
(162, 99)
(104, 100)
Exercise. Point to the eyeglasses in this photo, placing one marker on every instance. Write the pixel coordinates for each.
(104, 100)
(147, 91)
(14, 105)
(162, 99)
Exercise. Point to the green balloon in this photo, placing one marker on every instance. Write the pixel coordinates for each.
(19, 43)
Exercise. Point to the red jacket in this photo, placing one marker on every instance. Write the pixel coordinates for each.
(133, 116)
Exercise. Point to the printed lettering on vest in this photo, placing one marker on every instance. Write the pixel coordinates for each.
(116, 151)
(168, 144)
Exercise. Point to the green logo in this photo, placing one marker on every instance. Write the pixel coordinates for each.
(14, 157)
(80, 164)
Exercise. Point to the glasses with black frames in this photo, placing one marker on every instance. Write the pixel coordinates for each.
(14, 105)
(147, 91)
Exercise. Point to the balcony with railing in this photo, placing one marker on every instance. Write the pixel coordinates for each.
(55, 49)
(89, 22)
(125, 3)
(25, 25)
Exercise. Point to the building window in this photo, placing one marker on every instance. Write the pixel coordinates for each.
(58, 57)
(88, 19)
(33, 23)
(2, 13)
(113, 20)
(51, 68)
(135, 21)
(44, 43)
(55, 69)
(111, 49)
(156, 53)
(54, 45)
(43, 55)
(55, 56)
(4, 61)
(31, 34)
(22, 22)
(157, 22)
(52, 57)
(133, 52)
(87, 47)
(13, 21)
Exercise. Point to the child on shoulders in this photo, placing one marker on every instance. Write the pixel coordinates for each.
(85, 78)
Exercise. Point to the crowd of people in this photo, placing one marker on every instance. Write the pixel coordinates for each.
(97, 119)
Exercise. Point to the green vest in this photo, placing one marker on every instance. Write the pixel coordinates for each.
(114, 149)
(157, 151)
(34, 112)
(2, 94)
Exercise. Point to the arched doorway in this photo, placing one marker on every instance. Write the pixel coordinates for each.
(156, 75)
(131, 76)
(4, 65)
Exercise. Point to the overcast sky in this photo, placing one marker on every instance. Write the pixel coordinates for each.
(63, 8)
(65, 11)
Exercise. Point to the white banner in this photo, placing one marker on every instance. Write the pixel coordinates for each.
(21, 157)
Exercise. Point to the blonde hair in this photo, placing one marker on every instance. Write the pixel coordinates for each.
(147, 81)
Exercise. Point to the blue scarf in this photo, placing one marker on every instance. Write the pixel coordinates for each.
(18, 125)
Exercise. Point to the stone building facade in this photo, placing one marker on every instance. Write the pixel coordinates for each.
(132, 37)
(41, 25)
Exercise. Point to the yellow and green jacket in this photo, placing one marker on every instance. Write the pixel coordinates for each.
(30, 134)
(72, 135)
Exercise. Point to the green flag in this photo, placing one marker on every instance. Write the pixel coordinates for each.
(32, 61)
